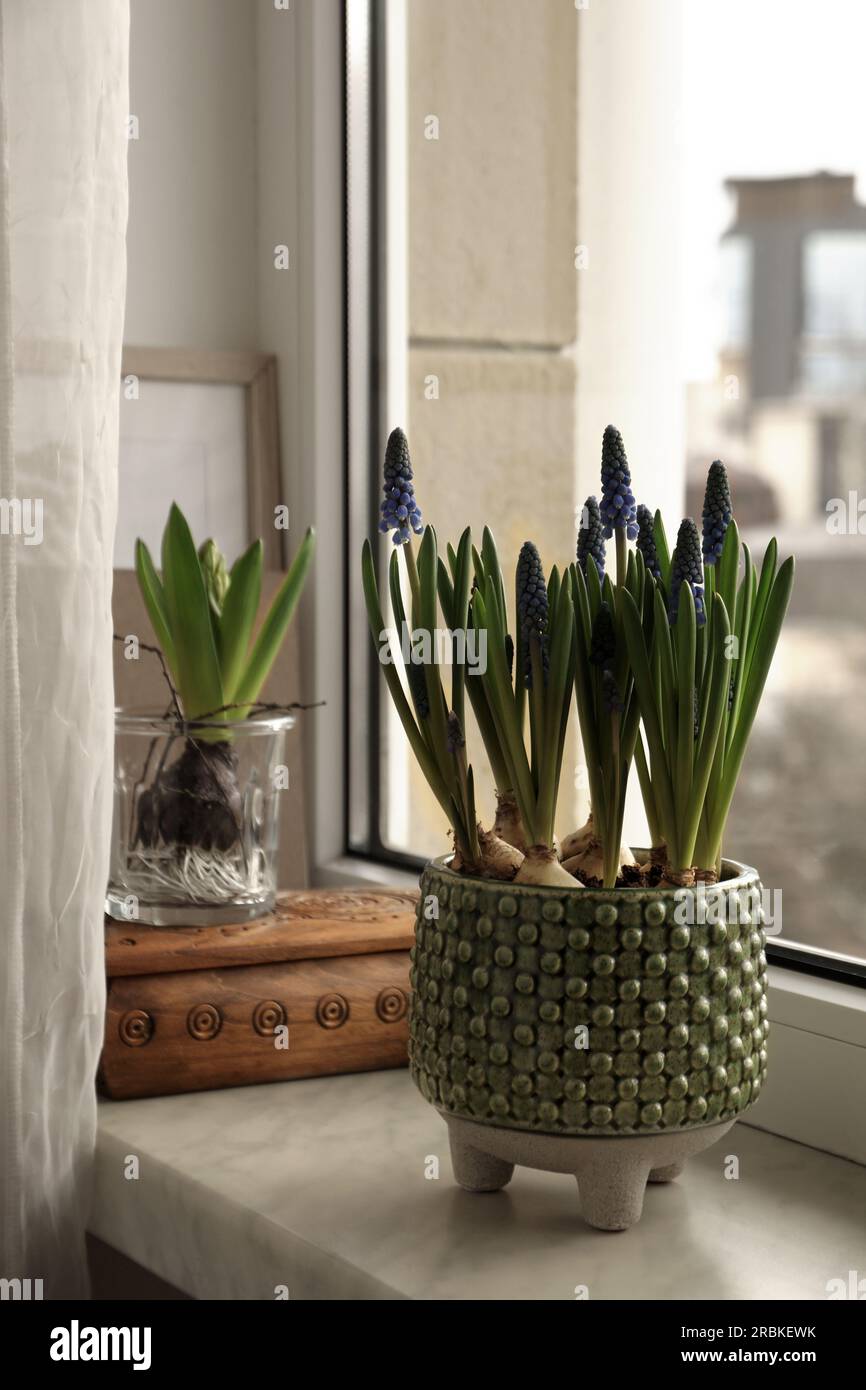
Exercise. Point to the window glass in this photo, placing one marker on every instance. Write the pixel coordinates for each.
(630, 214)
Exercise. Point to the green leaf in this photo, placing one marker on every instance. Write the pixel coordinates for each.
(710, 733)
(741, 630)
(685, 634)
(397, 609)
(581, 604)
(446, 592)
(727, 567)
(558, 692)
(188, 607)
(477, 567)
(662, 548)
(275, 626)
(553, 584)
(502, 703)
(759, 607)
(459, 621)
(765, 647)
(631, 573)
(763, 656)
(415, 678)
(565, 700)
(646, 791)
(666, 673)
(583, 690)
(153, 594)
(485, 720)
(378, 630)
(644, 684)
(593, 591)
(428, 571)
(493, 569)
(239, 608)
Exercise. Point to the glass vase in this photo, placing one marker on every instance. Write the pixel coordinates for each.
(196, 819)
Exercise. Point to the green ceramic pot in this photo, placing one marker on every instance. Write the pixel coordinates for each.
(589, 1012)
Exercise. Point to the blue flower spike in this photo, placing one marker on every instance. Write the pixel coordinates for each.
(602, 647)
(686, 565)
(532, 608)
(717, 511)
(602, 653)
(400, 511)
(618, 508)
(455, 738)
(646, 541)
(590, 537)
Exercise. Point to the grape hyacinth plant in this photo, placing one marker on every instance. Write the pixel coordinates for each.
(758, 604)
(608, 716)
(532, 616)
(607, 709)
(541, 680)
(717, 512)
(400, 511)
(686, 566)
(590, 538)
(618, 508)
(507, 825)
(667, 658)
(646, 541)
(700, 671)
(434, 725)
(664, 666)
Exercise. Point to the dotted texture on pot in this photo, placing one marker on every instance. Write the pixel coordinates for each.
(588, 1012)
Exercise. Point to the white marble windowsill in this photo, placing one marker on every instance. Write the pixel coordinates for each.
(320, 1186)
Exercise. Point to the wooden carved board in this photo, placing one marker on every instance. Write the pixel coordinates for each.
(318, 922)
(320, 987)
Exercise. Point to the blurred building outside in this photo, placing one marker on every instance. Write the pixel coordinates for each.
(787, 414)
(788, 411)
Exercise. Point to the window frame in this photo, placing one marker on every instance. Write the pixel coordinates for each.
(375, 315)
(817, 1000)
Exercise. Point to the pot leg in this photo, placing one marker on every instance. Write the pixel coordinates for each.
(668, 1173)
(477, 1171)
(611, 1195)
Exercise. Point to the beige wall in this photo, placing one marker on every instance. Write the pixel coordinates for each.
(192, 175)
(493, 204)
(492, 286)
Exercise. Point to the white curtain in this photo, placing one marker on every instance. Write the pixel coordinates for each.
(63, 201)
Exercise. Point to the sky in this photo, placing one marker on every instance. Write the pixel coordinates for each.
(771, 87)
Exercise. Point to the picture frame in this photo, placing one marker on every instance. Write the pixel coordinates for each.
(256, 429)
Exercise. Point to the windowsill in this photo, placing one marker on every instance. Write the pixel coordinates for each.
(349, 870)
(816, 1089)
(320, 1186)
